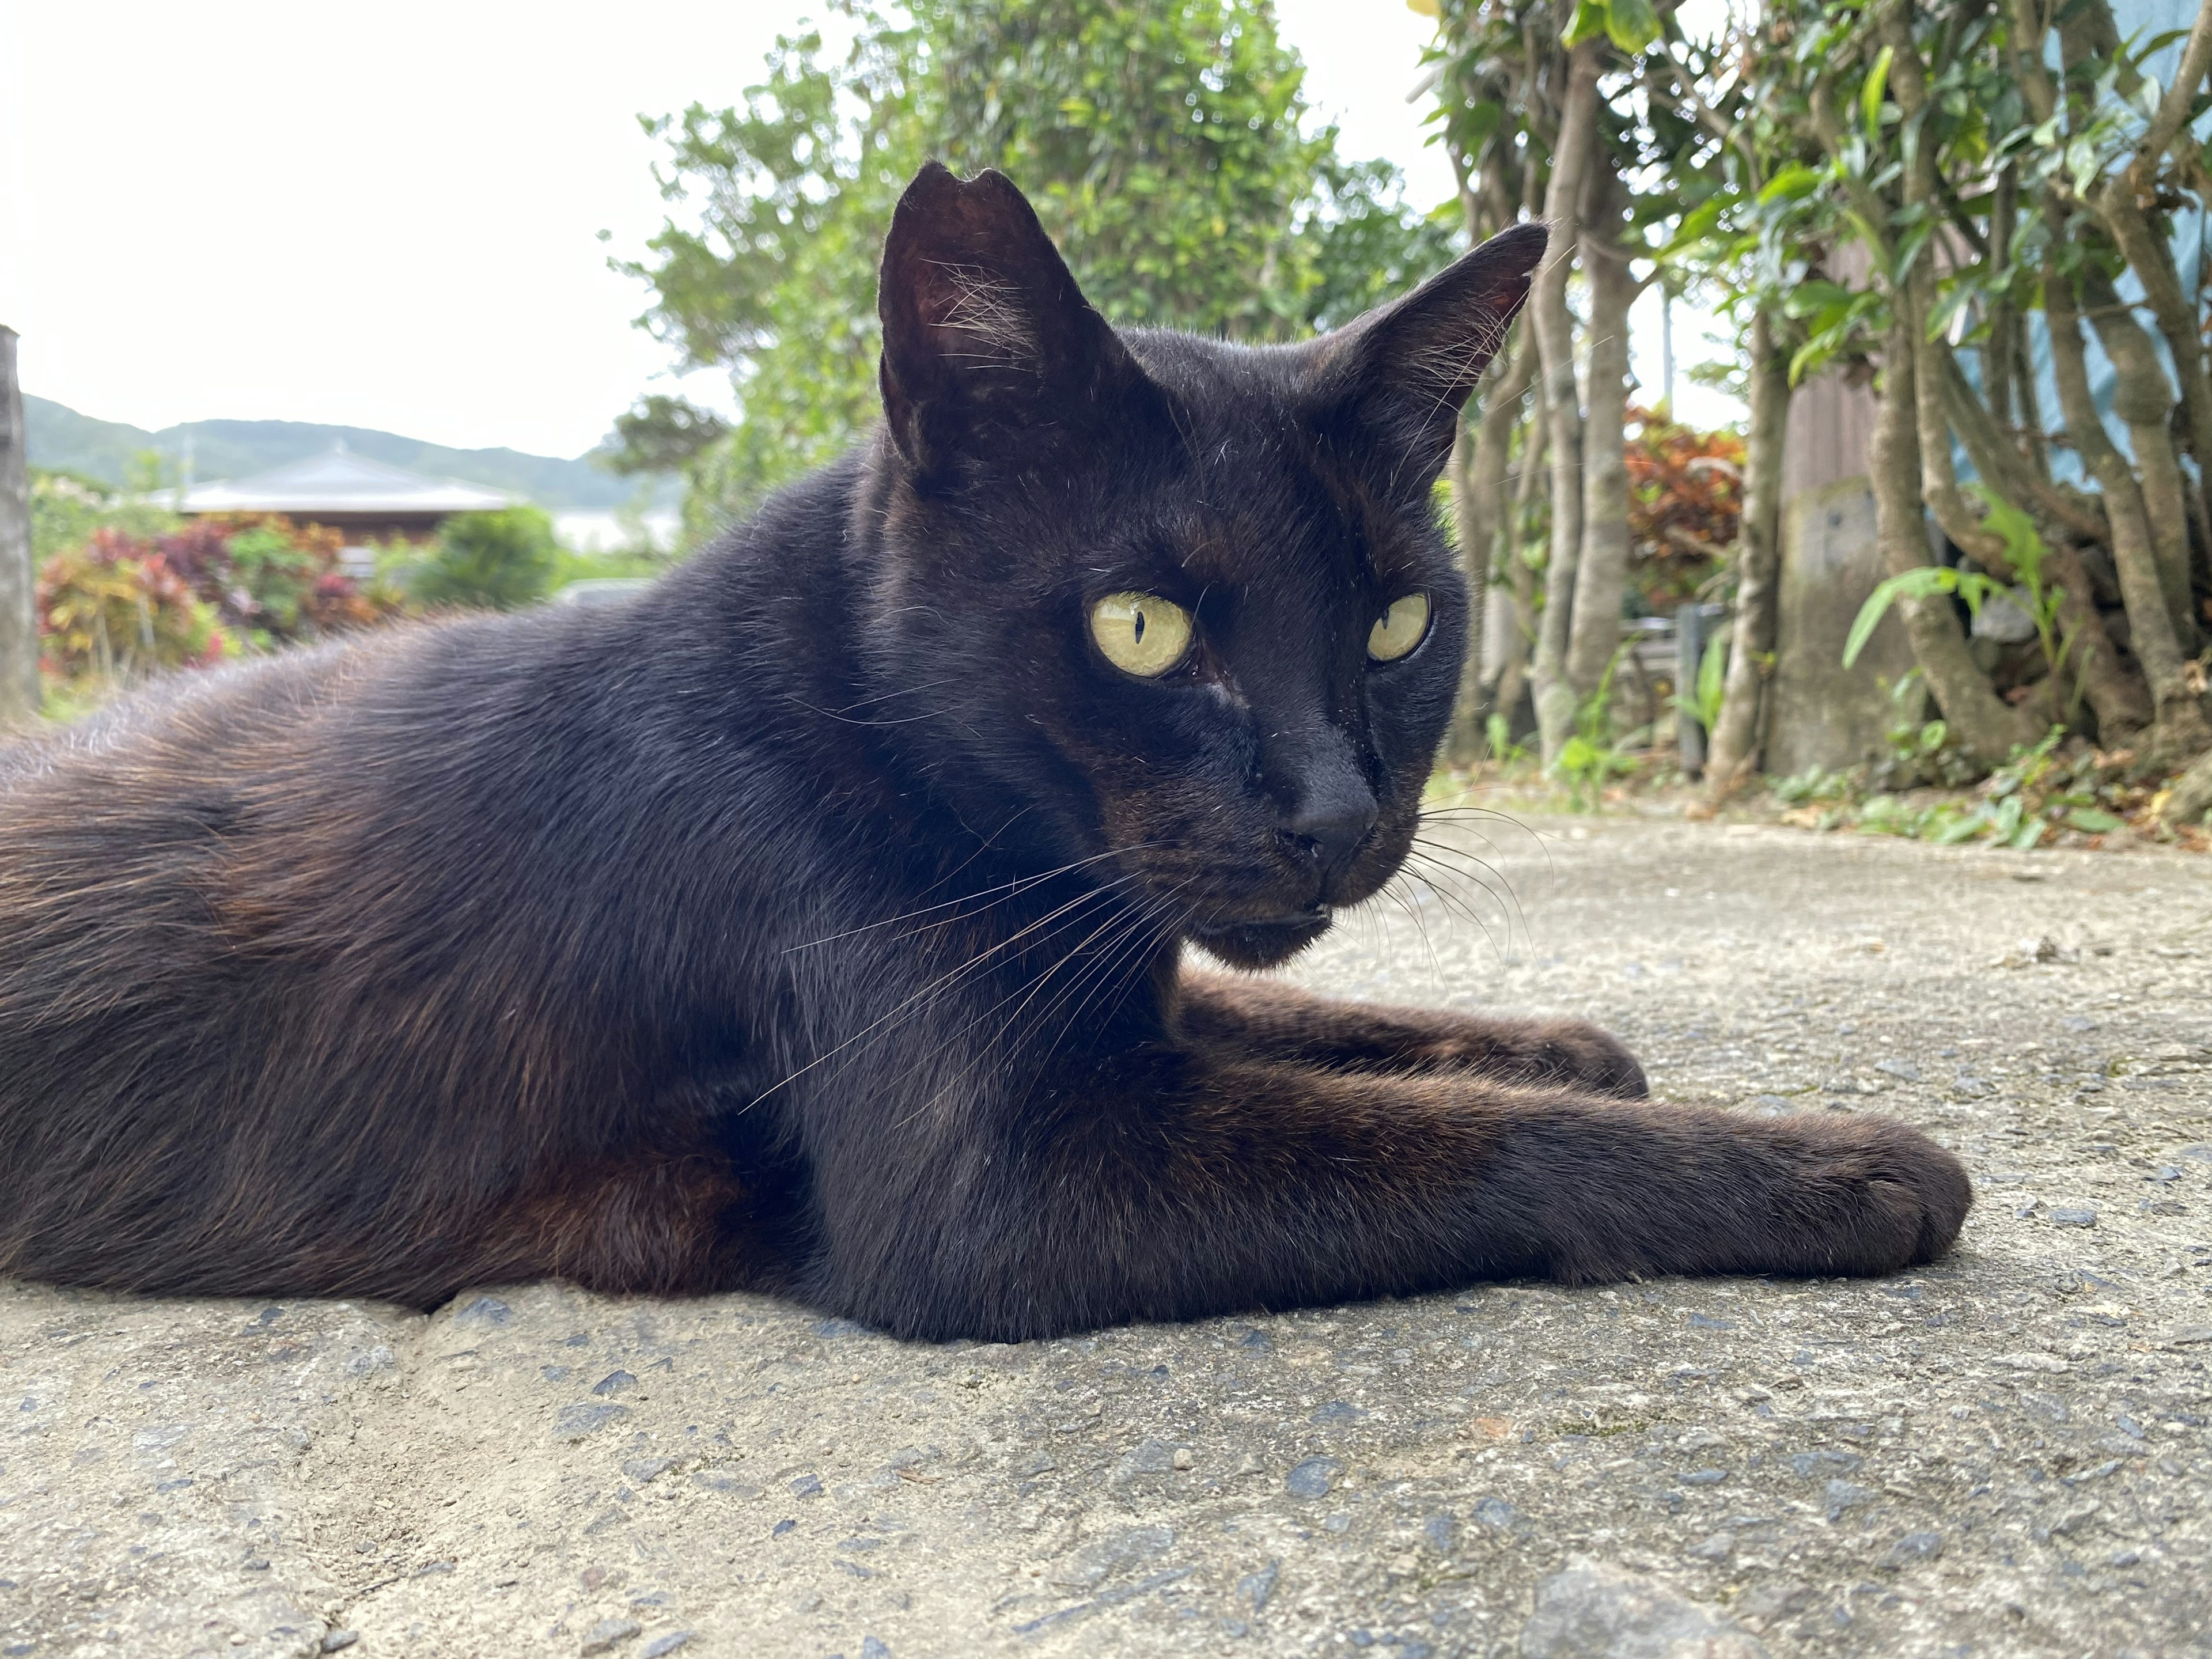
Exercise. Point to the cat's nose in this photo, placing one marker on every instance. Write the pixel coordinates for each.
(1333, 828)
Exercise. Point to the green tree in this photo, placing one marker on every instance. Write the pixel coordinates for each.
(496, 560)
(1964, 194)
(1162, 145)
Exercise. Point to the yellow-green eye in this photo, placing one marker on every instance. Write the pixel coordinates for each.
(1400, 628)
(1141, 634)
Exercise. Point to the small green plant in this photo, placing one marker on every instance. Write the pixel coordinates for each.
(1591, 758)
(1920, 750)
(1497, 731)
(2025, 550)
(2038, 789)
(1814, 783)
(498, 561)
(280, 575)
(1926, 581)
(1704, 704)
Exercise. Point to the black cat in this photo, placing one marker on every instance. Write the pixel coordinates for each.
(814, 922)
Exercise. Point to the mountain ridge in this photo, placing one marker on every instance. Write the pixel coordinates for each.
(58, 437)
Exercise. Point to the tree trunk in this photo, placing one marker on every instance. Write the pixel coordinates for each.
(2180, 729)
(1602, 576)
(1554, 328)
(1513, 669)
(2142, 397)
(1978, 718)
(2117, 695)
(20, 692)
(1478, 477)
(2190, 797)
(1734, 753)
(2151, 256)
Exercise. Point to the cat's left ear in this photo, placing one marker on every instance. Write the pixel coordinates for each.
(1392, 383)
(989, 348)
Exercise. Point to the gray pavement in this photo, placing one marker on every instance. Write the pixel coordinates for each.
(2005, 1454)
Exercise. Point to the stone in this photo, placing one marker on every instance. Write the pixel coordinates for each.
(1313, 1478)
(337, 1641)
(662, 1645)
(1823, 714)
(2073, 1216)
(575, 1422)
(609, 1633)
(1915, 1546)
(1145, 1466)
(1255, 1588)
(615, 1383)
(1593, 1610)
(1110, 1557)
(1841, 1495)
(724, 1480)
(484, 1311)
(1500, 1515)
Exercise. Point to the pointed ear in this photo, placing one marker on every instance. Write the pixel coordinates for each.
(985, 335)
(1392, 382)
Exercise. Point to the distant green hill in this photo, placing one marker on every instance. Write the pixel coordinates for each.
(61, 438)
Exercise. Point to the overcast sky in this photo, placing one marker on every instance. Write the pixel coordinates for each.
(387, 216)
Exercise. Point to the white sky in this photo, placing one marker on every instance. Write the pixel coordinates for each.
(386, 217)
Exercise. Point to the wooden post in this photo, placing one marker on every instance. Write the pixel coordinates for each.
(1689, 657)
(20, 692)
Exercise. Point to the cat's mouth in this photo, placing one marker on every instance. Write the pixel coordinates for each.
(1265, 941)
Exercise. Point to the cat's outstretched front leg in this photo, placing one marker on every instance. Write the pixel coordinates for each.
(1170, 1185)
(1262, 1019)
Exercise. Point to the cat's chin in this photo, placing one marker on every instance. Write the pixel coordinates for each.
(1267, 943)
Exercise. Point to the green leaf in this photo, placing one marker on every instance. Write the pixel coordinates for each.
(1791, 184)
(1870, 95)
(2093, 821)
(1923, 583)
(1590, 21)
(1712, 684)
(1632, 24)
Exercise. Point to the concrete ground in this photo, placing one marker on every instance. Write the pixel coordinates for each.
(2006, 1453)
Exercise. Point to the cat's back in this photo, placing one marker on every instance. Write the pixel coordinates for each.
(554, 794)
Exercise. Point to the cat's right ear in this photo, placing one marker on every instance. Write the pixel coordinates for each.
(989, 346)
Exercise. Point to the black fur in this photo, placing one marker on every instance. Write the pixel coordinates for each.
(814, 922)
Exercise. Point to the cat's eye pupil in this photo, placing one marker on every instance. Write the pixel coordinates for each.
(1140, 634)
(1401, 626)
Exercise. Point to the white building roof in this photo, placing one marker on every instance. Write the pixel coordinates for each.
(343, 482)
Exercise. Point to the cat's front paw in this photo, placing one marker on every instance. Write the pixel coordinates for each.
(1864, 1196)
(1561, 1054)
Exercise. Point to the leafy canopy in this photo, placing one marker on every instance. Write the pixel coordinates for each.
(1161, 144)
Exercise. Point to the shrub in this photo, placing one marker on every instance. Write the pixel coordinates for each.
(1685, 502)
(66, 507)
(495, 560)
(119, 605)
(115, 607)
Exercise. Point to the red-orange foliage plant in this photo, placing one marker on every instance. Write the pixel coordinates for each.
(1685, 503)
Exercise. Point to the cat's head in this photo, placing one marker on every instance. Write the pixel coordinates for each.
(1175, 606)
